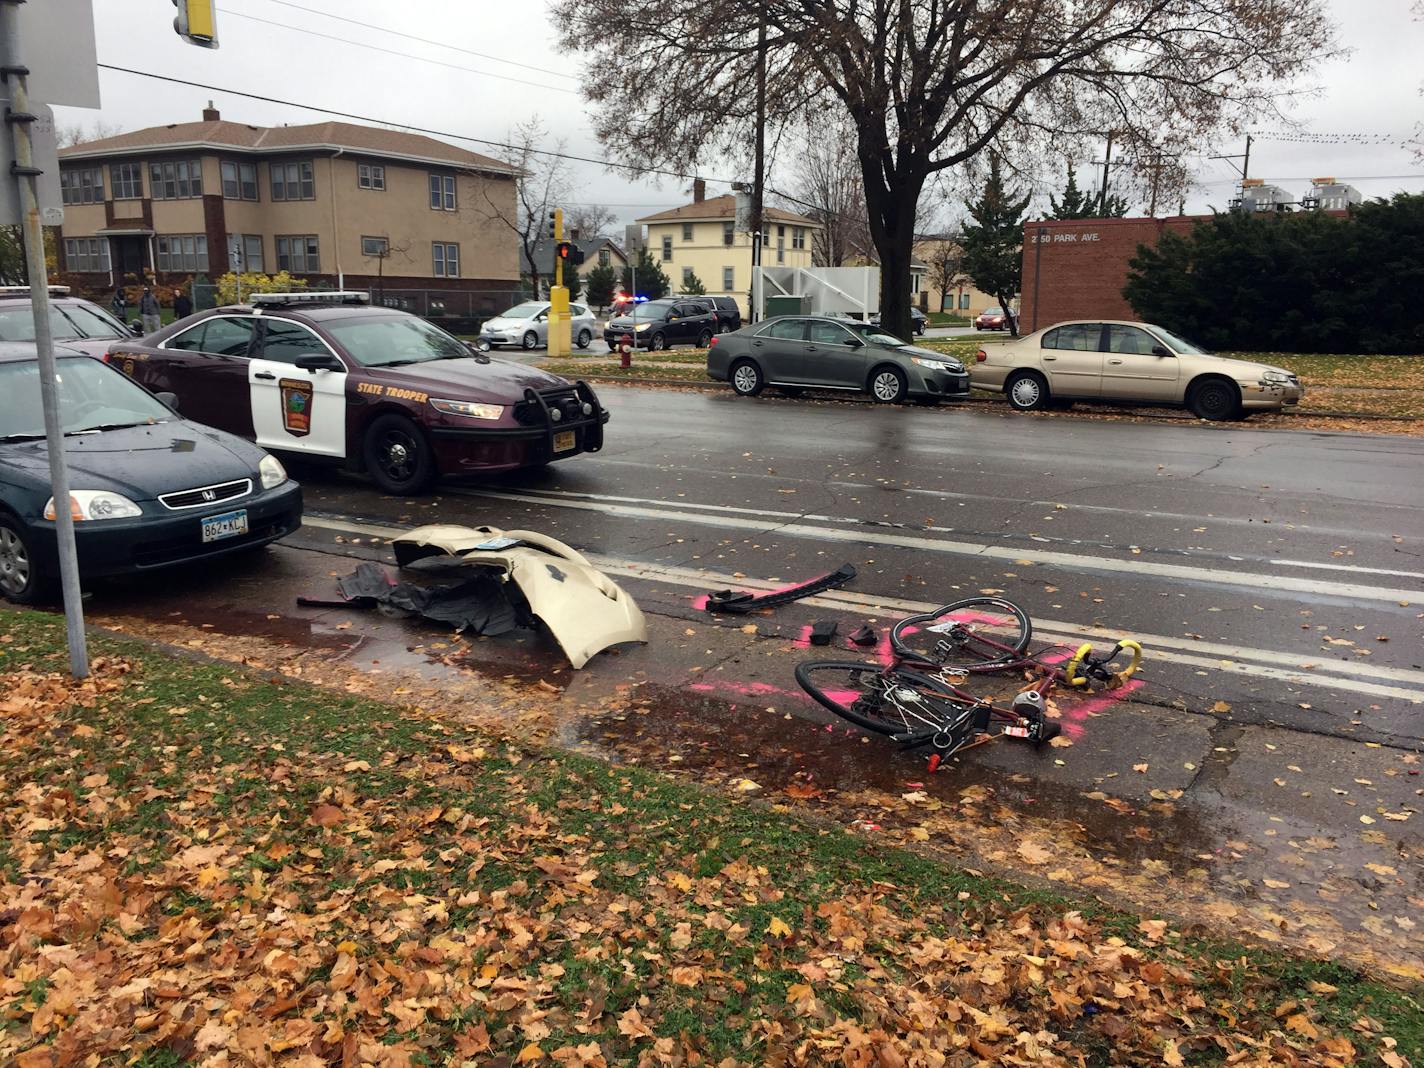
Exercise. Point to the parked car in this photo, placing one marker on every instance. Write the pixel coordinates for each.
(799, 352)
(660, 324)
(148, 488)
(78, 323)
(327, 377)
(919, 321)
(729, 313)
(1130, 362)
(991, 319)
(527, 325)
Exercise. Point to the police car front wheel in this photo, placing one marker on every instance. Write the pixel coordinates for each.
(397, 455)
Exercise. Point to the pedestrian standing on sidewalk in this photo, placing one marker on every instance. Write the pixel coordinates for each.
(120, 304)
(148, 310)
(182, 306)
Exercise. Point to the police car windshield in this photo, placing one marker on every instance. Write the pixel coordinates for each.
(396, 340)
(92, 396)
(67, 322)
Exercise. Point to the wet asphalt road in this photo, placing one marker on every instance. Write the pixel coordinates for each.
(1271, 570)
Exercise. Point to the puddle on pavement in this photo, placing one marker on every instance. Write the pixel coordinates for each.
(1187, 853)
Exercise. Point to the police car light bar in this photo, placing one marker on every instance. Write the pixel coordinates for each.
(313, 297)
(24, 291)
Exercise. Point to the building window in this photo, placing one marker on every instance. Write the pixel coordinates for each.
(298, 253)
(687, 231)
(729, 233)
(375, 246)
(293, 181)
(245, 253)
(781, 244)
(729, 276)
(667, 248)
(82, 186)
(604, 258)
(370, 176)
(87, 255)
(239, 180)
(798, 237)
(182, 253)
(686, 277)
(126, 180)
(175, 180)
(447, 260)
(442, 192)
(964, 302)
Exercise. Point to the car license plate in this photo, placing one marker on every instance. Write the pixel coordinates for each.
(227, 525)
(564, 441)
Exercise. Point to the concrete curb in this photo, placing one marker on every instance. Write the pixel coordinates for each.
(972, 398)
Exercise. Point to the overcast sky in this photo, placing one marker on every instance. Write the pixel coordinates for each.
(268, 47)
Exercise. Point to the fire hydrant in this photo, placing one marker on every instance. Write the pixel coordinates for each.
(625, 351)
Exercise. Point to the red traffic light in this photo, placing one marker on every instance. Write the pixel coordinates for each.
(564, 250)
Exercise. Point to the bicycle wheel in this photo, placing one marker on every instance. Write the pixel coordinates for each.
(890, 701)
(976, 634)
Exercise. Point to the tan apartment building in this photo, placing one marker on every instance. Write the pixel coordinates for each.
(702, 238)
(336, 203)
(960, 297)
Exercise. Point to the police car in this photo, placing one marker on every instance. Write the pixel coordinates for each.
(327, 376)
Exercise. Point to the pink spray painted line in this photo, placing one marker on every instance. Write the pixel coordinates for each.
(744, 689)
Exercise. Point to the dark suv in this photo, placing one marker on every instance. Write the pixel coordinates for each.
(729, 312)
(660, 324)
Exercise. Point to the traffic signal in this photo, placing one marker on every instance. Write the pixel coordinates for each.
(563, 251)
(556, 223)
(197, 22)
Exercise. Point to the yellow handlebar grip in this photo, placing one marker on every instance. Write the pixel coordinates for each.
(1136, 647)
(1070, 673)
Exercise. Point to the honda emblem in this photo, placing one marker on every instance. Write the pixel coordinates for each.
(210, 495)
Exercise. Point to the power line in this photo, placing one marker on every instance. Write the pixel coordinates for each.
(403, 55)
(412, 37)
(400, 125)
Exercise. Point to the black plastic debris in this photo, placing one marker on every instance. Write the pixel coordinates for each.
(865, 635)
(822, 633)
(477, 603)
(739, 602)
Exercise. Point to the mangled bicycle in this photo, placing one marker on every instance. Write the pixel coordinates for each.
(919, 699)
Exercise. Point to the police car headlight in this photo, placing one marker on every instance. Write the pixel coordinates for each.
(96, 504)
(587, 408)
(468, 408)
(555, 415)
(271, 472)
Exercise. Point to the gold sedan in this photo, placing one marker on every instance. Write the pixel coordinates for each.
(1129, 363)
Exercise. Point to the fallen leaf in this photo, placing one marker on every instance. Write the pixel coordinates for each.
(777, 928)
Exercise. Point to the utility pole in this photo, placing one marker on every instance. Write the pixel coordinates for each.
(1245, 158)
(1107, 162)
(758, 185)
(25, 173)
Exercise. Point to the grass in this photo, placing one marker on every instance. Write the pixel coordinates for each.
(947, 319)
(318, 853)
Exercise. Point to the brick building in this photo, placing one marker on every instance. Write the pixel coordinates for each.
(1076, 268)
(333, 202)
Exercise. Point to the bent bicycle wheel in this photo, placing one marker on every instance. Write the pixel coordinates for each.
(976, 634)
(893, 701)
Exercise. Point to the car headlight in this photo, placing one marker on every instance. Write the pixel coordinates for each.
(1275, 378)
(642, 326)
(937, 365)
(96, 504)
(271, 472)
(468, 408)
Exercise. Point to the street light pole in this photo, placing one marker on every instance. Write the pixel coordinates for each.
(758, 183)
(18, 118)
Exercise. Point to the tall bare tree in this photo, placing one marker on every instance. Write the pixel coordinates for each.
(930, 84)
(828, 188)
(946, 264)
(590, 220)
(542, 186)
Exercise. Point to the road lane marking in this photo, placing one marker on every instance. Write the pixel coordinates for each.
(556, 497)
(1349, 676)
(1082, 561)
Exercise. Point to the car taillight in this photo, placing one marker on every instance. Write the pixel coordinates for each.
(980, 356)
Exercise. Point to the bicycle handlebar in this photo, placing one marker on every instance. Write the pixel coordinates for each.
(1085, 666)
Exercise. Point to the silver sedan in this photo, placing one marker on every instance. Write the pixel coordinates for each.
(527, 326)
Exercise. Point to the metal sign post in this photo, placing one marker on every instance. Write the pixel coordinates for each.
(24, 171)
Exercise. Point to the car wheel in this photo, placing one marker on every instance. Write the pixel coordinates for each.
(1215, 399)
(657, 343)
(920, 328)
(1027, 391)
(747, 379)
(612, 347)
(397, 455)
(530, 340)
(888, 385)
(584, 338)
(704, 339)
(20, 579)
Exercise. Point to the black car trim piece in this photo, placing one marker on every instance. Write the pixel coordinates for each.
(739, 602)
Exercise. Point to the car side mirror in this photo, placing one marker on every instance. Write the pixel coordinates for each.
(854, 343)
(167, 399)
(318, 361)
(1159, 350)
